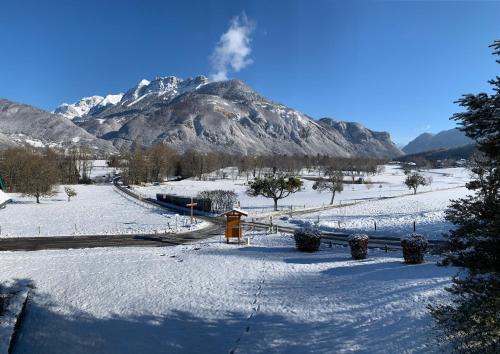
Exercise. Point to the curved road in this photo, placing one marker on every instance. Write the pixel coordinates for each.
(161, 240)
(67, 242)
(91, 241)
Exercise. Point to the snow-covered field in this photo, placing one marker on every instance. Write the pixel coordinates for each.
(210, 297)
(393, 217)
(101, 169)
(389, 183)
(96, 210)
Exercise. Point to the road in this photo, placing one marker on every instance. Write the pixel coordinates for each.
(68, 242)
(132, 240)
(156, 240)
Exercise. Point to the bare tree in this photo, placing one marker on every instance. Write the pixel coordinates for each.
(333, 182)
(39, 177)
(85, 164)
(161, 162)
(70, 192)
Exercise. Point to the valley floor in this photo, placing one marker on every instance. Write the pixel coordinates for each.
(210, 297)
(394, 217)
(96, 210)
(386, 200)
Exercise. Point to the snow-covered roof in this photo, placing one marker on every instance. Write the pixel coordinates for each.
(237, 210)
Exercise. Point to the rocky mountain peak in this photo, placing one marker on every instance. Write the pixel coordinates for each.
(225, 116)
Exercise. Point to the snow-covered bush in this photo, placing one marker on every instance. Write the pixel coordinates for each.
(221, 200)
(359, 246)
(414, 247)
(307, 239)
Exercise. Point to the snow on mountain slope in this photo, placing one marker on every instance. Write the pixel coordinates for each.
(225, 116)
(22, 124)
(79, 108)
(168, 87)
(86, 105)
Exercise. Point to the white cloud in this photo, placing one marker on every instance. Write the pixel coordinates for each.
(233, 49)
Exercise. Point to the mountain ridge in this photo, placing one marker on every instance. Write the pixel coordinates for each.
(444, 139)
(225, 116)
(24, 124)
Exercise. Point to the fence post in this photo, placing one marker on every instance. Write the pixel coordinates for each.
(375, 223)
(414, 226)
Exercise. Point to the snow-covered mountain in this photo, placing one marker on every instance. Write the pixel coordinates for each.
(445, 139)
(224, 116)
(22, 124)
(87, 105)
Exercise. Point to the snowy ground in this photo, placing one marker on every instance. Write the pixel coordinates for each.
(96, 210)
(100, 169)
(391, 182)
(210, 297)
(4, 197)
(394, 216)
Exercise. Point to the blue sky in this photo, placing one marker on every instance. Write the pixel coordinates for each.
(391, 65)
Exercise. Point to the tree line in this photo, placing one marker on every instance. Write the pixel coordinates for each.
(160, 161)
(36, 172)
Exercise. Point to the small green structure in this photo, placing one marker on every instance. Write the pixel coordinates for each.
(2, 184)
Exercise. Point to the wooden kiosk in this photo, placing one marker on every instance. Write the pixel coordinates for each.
(233, 224)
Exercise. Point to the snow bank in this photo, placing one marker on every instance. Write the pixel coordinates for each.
(4, 197)
(18, 292)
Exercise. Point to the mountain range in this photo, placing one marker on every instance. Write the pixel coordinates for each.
(446, 139)
(22, 124)
(194, 114)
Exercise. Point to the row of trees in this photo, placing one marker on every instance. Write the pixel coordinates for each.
(36, 172)
(158, 162)
(33, 173)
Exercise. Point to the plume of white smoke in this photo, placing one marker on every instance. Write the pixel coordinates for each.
(233, 49)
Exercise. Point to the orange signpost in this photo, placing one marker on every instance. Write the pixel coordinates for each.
(191, 205)
(233, 224)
